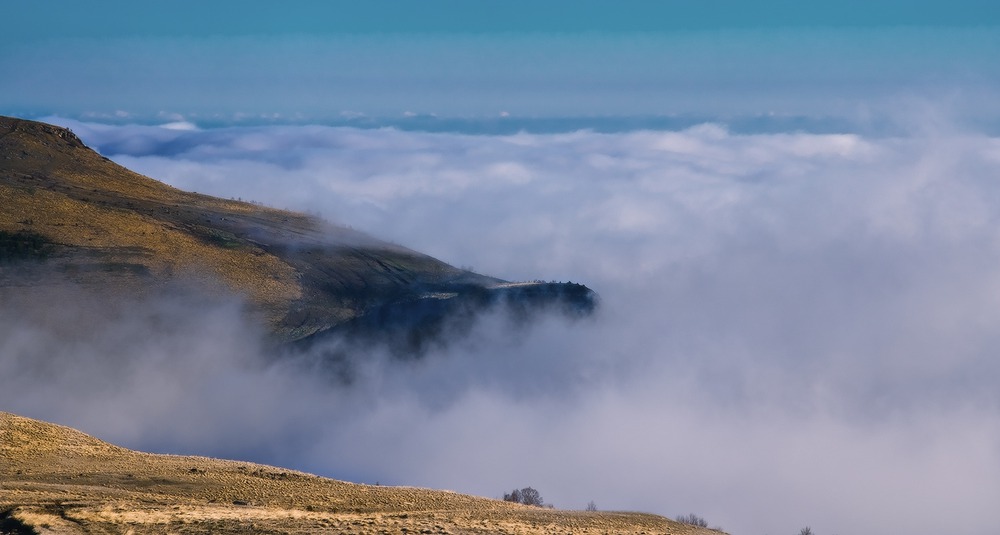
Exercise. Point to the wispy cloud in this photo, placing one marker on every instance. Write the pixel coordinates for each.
(797, 328)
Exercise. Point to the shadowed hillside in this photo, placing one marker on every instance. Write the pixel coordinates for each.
(54, 479)
(71, 216)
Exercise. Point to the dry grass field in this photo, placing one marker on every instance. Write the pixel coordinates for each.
(54, 479)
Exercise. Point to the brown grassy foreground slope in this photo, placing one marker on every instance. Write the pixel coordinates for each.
(58, 480)
(69, 215)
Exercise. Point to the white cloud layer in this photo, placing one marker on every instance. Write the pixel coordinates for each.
(797, 329)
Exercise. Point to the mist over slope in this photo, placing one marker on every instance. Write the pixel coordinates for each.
(73, 217)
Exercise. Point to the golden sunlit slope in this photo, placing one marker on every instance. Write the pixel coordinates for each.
(68, 214)
(94, 220)
(57, 480)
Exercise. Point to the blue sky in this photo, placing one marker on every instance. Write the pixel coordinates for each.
(226, 17)
(417, 63)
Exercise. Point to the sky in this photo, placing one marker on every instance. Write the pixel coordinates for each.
(790, 213)
(526, 65)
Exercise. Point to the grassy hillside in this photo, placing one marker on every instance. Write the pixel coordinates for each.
(70, 215)
(54, 479)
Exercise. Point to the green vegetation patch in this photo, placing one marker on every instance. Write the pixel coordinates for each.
(10, 525)
(220, 238)
(22, 245)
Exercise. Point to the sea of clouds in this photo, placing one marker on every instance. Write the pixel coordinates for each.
(796, 329)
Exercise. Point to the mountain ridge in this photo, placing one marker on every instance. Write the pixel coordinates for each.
(91, 222)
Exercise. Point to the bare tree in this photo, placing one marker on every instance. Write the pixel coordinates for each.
(806, 531)
(527, 496)
(693, 520)
(591, 506)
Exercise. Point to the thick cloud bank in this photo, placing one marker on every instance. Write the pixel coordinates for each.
(797, 329)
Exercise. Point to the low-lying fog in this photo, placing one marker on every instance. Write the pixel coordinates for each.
(796, 329)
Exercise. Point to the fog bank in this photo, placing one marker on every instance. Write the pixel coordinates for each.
(796, 329)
